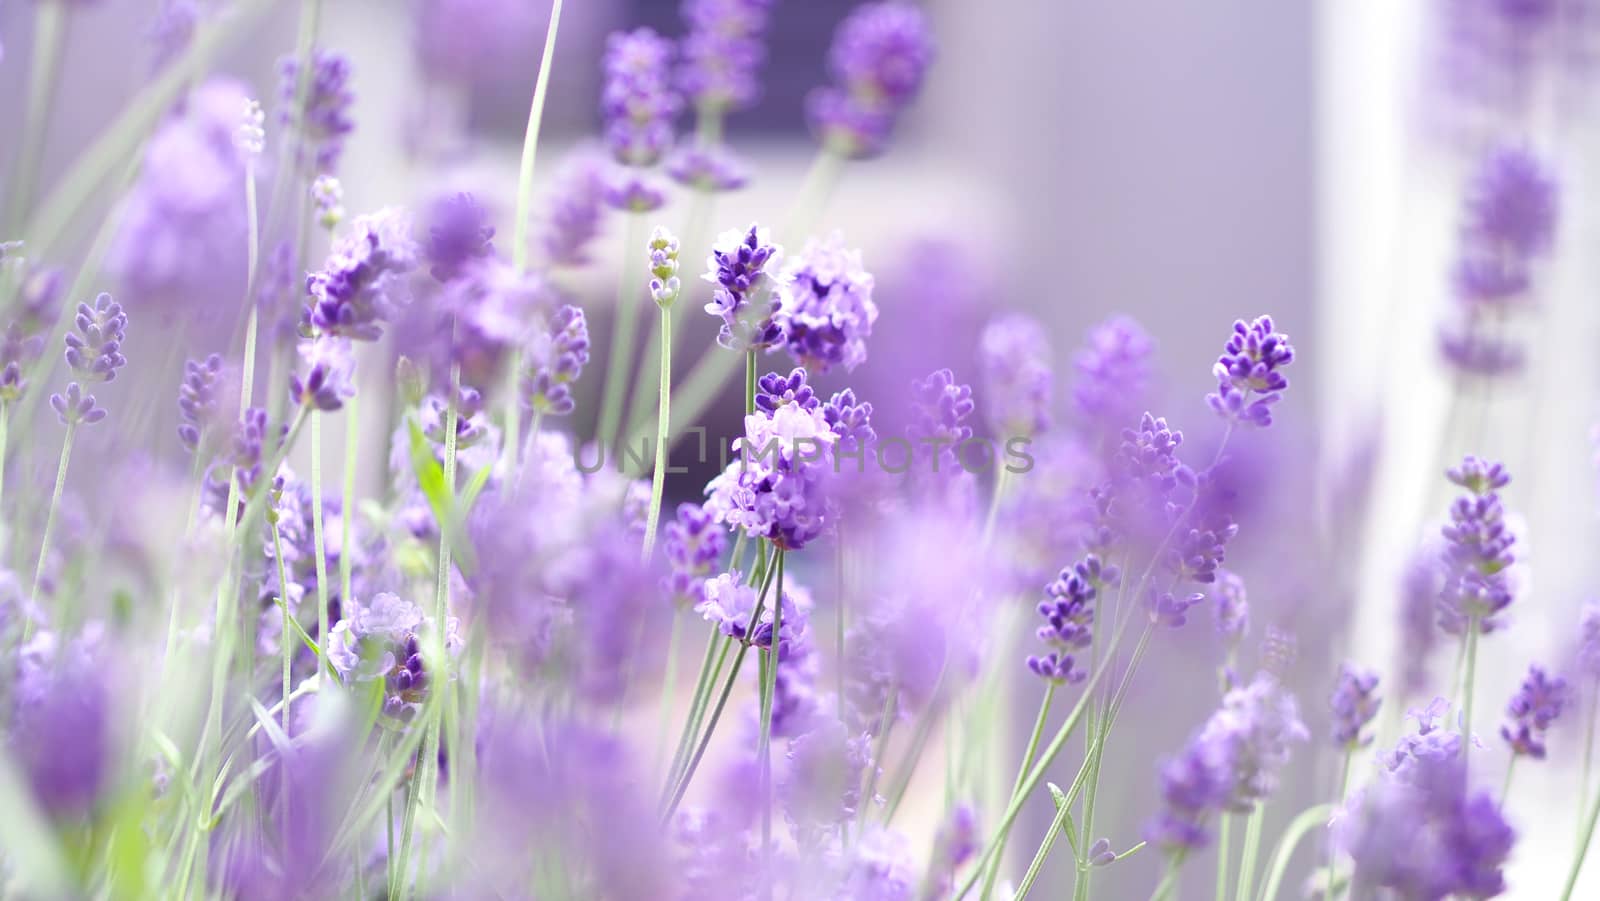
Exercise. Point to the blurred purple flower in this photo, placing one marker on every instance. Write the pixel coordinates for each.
(575, 208)
(553, 358)
(880, 54)
(329, 377)
(1535, 706)
(692, 544)
(326, 123)
(722, 52)
(638, 103)
(61, 729)
(1113, 375)
(826, 310)
(1354, 704)
(1477, 551)
(1017, 379)
(362, 284)
(709, 169)
(199, 403)
(458, 233)
(744, 267)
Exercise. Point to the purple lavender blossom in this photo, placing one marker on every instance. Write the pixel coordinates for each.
(198, 400)
(880, 54)
(459, 231)
(1017, 379)
(573, 219)
(361, 285)
(709, 169)
(692, 544)
(329, 377)
(638, 103)
(327, 195)
(820, 789)
(1535, 706)
(729, 603)
(1511, 205)
(1477, 551)
(743, 266)
(826, 310)
(553, 358)
(94, 350)
(777, 489)
(635, 193)
(326, 122)
(957, 840)
(775, 390)
(1419, 830)
(1069, 613)
(171, 31)
(76, 407)
(18, 351)
(940, 407)
(1170, 610)
(381, 641)
(1589, 640)
(61, 728)
(1248, 380)
(1354, 704)
(722, 52)
(1232, 614)
(1113, 374)
(473, 41)
(1231, 764)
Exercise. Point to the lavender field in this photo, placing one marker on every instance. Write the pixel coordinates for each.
(766, 449)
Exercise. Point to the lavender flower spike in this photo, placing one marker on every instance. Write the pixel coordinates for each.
(1014, 358)
(553, 359)
(638, 102)
(1535, 706)
(94, 350)
(1354, 705)
(879, 56)
(573, 219)
(327, 97)
(329, 378)
(743, 267)
(198, 403)
(722, 51)
(1248, 380)
(827, 310)
(76, 407)
(361, 286)
(1478, 550)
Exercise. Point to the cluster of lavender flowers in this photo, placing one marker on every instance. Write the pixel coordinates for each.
(458, 660)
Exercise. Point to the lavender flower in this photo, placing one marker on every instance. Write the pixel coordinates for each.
(742, 265)
(329, 378)
(826, 313)
(328, 195)
(1419, 831)
(1068, 611)
(76, 407)
(1354, 704)
(692, 544)
(251, 135)
(360, 287)
(1014, 360)
(1535, 706)
(1248, 380)
(709, 169)
(1231, 764)
(664, 284)
(774, 390)
(940, 407)
(171, 31)
(729, 603)
(1232, 613)
(18, 351)
(573, 219)
(1477, 551)
(879, 56)
(722, 52)
(198, 401)
(325, 123)
(459, 231)
(635, 193)
(1589, 640)
(777, 489)
(62, 729)
(553, 359)
(957, 840)
(94, 350)
(821, 787)
(487, 309)
(381, 641)
(638, 102)
(1113, 374)
(1511, 204)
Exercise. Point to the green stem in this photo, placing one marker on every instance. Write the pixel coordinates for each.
(1028, 754)
(676, 797)
(1582, 852)
(694, 239)
(5, 436)
(1224, 853)
(49, 34)
(1296, 830)
(347, 509)
(317, 536)
(658, 482)
(1505, 789)
(668, 682)
(520, 250)
(1338, 801)
(1252, 846)
(623, 329)
(50, 518)
(750, 365)
(1000, 483)
(1063, 813)
(1466, 691)
(768, 690)
(1588, 750)
(1169, 878)
(716, 654)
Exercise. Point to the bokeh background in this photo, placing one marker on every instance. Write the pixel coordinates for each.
(1183, 163)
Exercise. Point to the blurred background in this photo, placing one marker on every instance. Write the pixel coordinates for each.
(1186, 164)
